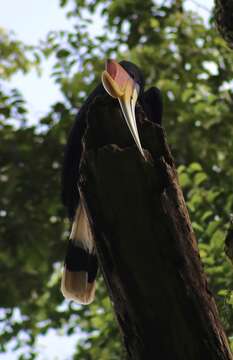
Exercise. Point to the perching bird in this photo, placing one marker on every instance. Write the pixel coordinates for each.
(125, 82)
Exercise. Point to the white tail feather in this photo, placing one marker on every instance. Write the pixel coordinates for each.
(75, 285)
(81, 231)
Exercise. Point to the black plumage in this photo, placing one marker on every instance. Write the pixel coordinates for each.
(151, 102)
(79, 258)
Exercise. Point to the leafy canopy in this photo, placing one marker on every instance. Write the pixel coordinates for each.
(193, 67)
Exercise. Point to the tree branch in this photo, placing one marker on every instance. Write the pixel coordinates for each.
(223, 15)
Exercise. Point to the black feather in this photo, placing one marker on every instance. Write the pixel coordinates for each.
(72, 156)
(151, 102)
(78, 259)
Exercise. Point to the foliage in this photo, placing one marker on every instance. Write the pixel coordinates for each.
(193, 67)
(15, 55)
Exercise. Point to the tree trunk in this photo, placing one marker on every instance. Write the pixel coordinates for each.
(223, 15)
(145, 243)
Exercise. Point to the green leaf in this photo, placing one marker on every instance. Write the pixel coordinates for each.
(200, 178)
(62, 53)
(217, 239)
(185, 180)
(195, 167)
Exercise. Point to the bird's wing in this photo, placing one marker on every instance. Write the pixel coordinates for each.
(153, 105)
(73, 153)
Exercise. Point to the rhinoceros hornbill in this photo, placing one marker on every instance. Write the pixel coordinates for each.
(125, 82)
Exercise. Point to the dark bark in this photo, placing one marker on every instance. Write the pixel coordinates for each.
(145, 242)
(223, 15)
(229, 241)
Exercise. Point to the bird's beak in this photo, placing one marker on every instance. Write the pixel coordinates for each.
(119, 84)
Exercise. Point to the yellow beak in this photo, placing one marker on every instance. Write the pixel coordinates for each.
(126, 90)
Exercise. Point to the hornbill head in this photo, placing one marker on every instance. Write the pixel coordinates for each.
(124, 81)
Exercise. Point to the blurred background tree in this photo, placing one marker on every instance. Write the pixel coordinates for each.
(193, 67)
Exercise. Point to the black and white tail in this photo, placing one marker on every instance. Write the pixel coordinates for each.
(80, 268)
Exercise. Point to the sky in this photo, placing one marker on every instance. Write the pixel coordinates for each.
(31, 20)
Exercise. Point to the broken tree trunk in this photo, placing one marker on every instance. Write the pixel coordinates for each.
(223, 16)
(146, 246)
